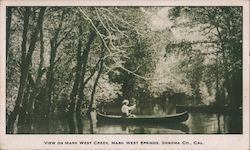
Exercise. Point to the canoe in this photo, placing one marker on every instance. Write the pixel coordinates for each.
(173, 118)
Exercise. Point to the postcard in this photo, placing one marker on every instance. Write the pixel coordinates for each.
(124, 74)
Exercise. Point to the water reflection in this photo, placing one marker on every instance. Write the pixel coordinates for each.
(197, 123)
(75, 122)
(107, 128)
(214, 123)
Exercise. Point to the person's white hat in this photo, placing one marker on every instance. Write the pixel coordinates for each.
(125, 101)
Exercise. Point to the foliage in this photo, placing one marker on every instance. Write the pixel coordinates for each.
(195, 51)
(220, 45)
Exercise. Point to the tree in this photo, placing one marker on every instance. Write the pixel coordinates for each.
(78, 72)
(221, 29)
(26, 60)
(54, 44)
(84, 57)
(30, 106)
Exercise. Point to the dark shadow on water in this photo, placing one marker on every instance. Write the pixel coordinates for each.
(71, 123)
(79, 123)
(235, 124)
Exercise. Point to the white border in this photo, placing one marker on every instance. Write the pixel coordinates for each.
(211, 141)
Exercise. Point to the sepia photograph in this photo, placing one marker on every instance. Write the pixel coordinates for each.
(124, 70)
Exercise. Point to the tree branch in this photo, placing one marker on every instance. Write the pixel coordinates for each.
(63, 38)
(105, 44)
(92, 74)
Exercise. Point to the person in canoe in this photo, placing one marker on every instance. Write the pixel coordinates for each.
(126, 110)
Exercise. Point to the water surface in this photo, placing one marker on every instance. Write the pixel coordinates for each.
(198, 123)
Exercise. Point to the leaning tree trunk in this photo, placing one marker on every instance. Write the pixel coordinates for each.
(78, 72)
(96, 82)
(26, 61)
(85, 56)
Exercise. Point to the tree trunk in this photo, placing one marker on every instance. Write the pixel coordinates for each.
(12, 118)
(78, 72)
(8, 25)
(50, 74)
(92, 100)
(23, 107)
(40, 72)
(26, 60)
(217, 80)
(24, 104)
(236, 100)
(85, 56)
